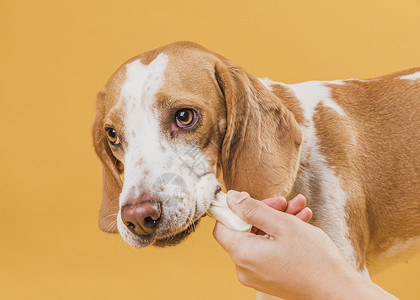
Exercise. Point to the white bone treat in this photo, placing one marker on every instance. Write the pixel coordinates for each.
(220, 211)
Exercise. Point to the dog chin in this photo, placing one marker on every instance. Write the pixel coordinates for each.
(170, 240)
(176, 238)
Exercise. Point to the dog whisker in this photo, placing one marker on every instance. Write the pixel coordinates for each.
(112, 224)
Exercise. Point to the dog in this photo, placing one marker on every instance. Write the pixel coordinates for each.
(172, 120)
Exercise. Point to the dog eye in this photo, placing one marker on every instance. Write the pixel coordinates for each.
(112, 135)
(185, 117)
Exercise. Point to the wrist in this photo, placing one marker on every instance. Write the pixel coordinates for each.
(355, 286)
(343, 283)
(363, 288)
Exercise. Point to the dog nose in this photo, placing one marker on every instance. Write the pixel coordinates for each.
(141, 218)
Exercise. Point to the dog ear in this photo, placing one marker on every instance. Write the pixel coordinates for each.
(111, 168)
(261, 147)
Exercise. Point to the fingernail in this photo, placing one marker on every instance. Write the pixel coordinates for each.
(236, 196)
(282, 198)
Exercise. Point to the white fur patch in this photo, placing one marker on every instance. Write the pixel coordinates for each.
(267, 82)
(337, 82)
(311, 93)
(414, 76)
(141, 121)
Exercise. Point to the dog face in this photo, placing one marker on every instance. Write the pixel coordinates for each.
(168, 121)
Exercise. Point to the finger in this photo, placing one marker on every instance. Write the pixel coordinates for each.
(226, 237)
(305, 214)
(296, 205)
(255, 212)
(278, 203)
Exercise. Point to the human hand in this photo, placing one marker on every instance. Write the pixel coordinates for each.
(298, 261)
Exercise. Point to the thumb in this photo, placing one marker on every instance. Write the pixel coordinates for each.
(256, 212)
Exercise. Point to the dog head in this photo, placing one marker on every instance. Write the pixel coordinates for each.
(168, 122)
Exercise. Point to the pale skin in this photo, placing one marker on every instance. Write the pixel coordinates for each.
(286, 257)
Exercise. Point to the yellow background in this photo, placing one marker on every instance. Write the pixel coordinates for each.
(55, 56)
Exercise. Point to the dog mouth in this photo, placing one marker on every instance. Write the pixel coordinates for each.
(173, 225)
(178, 237)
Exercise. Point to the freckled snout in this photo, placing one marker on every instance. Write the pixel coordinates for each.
(141, 218)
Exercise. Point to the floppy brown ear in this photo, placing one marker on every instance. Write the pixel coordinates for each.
(111, 167)
(261, 148)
